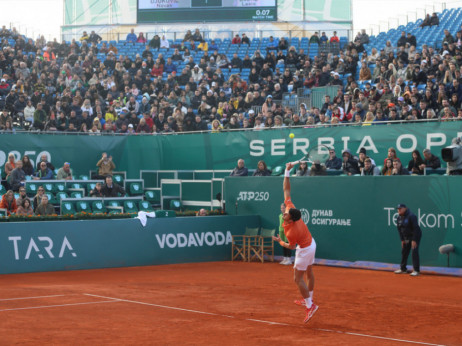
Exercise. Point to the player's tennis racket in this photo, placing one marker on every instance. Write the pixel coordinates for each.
(321, 153)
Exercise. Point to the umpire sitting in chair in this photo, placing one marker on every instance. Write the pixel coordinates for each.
(111, 189)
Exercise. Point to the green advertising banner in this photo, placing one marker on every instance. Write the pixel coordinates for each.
(71, 245)
(354, 218)
(221, 150)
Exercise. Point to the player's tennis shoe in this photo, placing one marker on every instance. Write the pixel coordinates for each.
(414, 273)
(310, 312)
(399, 271)
(284, 261)
(300, 302)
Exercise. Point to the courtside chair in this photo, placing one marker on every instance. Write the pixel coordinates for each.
(267, 243)
(176, 205)
(60, 187)
(49, 187)
(135, 189)
(254, 248)
(83, 207)
(67, 208)
(114, 207)
(278, 170)
(31, 189)
(145, 206)
(239, 243)
(152, 196)
(61, 195)
(118, 179)
(76, 194)
(130, 207)
(98, 207)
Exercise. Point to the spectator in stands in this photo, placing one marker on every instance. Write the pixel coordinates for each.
(44, 173)
(111, 189)
(315, 38)
(187, 36)
(45, 208)
(131, 37)
(44, 158)
(84, 37)
(155, 42)
(8, 202)
(415, 164)
(97, 191)
(22, 195)
(448, 38)
(141, 38)
(40, 117)
(350, 164)
(434, 20)
(203, 46)
(38, 197)
(262, 170)
(402, 40)
(391, 155)
(105, 167)
(65, 172)
(369, 168)
(411, 39)
(18, 177)
(245, 39)
(334, 38)
(197, 36)
(323, 39)
(164, 42)
(317, 169)
(24, 208)
(240, 170)
(333, 162)
(387, 169)
(94, 37)
(9, 166)
(283, 45)
(236, 39)
(202, 212)
(430, 160)
(398, 169)
(303, 170)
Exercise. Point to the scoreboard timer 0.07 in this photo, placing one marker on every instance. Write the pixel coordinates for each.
(151, 11)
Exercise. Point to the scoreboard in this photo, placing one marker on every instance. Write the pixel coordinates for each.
(171, 11)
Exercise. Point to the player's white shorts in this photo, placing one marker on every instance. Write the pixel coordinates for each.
(305, 257)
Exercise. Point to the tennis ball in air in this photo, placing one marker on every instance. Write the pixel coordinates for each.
(291, 135)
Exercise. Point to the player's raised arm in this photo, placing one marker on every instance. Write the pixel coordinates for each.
(286, 183)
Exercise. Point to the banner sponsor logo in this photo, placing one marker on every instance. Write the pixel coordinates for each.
(40, 247)
(253, 196)
(425, 219)
(181, 240)
(324, 217)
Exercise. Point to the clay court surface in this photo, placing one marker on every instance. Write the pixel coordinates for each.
(226, 303)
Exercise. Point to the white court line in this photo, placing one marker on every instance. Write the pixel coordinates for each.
(262, 321)
(38, 297)
(56, 306)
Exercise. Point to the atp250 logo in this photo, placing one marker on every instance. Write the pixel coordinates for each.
(253, 196)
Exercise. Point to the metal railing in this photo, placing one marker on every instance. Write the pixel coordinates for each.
(118, 33)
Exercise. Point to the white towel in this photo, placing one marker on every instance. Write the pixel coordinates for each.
(142, 216)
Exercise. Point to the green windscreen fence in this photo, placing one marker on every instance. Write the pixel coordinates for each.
(354, 218)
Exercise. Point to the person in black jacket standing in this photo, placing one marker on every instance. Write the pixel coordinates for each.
(410, 235)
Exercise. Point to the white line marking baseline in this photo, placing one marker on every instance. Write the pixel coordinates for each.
(262, 321)
(38, 297)
(57, 306)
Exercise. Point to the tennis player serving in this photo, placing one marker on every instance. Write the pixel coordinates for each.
(299, 238)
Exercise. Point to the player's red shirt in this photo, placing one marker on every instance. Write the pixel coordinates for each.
(296, 232)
